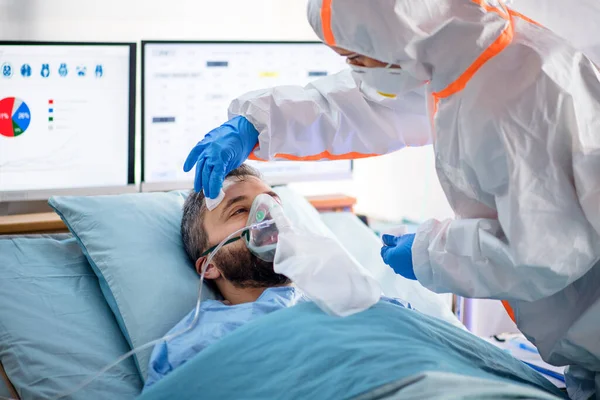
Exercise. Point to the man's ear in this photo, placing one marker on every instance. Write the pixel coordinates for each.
(211, 271)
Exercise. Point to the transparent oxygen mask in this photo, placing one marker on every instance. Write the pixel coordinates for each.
(261, 239)
(260, 235)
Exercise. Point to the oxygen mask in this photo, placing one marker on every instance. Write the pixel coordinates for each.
(262, 233)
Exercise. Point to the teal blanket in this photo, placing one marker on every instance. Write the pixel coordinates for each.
(302, 353)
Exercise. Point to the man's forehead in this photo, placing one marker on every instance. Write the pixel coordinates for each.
(249, 186)
(246, 186)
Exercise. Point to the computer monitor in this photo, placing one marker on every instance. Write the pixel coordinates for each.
(187, 88)
(67, 119)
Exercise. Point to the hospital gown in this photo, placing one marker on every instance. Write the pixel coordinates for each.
(217, 320)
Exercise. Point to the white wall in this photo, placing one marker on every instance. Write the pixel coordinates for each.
(391, 187)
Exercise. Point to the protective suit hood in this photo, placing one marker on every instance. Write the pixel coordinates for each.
(436, 40)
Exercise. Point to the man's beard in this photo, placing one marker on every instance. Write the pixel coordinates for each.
(244, 270)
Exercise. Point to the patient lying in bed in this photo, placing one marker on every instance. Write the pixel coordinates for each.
(249, 286)
(318, 354)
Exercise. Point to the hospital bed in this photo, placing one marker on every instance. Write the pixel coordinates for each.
(74, 302)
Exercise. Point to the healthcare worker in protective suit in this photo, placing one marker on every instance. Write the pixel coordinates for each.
(515, 123)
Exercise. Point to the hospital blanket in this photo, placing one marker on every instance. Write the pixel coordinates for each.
(303, 353)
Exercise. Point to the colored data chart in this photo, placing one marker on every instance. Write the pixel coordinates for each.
(14, 117)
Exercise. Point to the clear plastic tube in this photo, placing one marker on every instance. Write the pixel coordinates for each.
(166, 338)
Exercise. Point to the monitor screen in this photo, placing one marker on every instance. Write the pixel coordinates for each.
(187, 88)
(66, 119)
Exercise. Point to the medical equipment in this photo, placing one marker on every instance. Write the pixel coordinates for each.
(262, 242)
(220, 71)
(387, 80)
(41, 123)
(260, 225)
(211, 204)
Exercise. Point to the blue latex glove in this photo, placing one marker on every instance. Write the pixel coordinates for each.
(396, 252)
(221, 151)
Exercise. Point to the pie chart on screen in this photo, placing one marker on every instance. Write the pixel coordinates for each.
(14, 117)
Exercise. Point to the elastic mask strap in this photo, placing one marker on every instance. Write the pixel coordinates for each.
(245, 234)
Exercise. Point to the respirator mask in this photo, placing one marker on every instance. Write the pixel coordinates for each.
(262, 234)
(387, 80)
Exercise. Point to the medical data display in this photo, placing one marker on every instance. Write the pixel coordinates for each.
(66, 117)
(188, 86)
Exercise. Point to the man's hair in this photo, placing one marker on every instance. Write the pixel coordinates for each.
(193, 231)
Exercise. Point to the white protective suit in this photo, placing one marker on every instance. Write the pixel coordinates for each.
(515, 111)
(575, 20)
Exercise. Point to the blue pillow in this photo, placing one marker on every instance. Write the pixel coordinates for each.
(133, 243)
(55, 327)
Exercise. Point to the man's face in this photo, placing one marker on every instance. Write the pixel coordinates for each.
(234, 261)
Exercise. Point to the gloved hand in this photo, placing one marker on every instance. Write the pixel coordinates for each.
(221, 151)
(396, 252)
